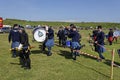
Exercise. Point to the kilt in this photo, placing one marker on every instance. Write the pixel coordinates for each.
(49, 43)
(100, 49)
(75, 45)
(110, 38)
(15, 44)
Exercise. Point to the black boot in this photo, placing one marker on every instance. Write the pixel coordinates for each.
(74, 55)
(28, 64)
(49, 53)
(22, 62)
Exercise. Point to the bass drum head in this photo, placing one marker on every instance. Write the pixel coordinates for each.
(40, 35)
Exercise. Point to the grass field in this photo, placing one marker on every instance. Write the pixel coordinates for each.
(57, 24)
(59, 66)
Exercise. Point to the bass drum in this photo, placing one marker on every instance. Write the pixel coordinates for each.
(39, 34)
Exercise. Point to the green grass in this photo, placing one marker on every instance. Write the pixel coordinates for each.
(58, 24)
(59, 66)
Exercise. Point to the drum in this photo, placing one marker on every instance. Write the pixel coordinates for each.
(39, 34)
(68, 43)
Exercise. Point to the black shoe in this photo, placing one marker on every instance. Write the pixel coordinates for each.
(99, 60)
(13, 56)
(49, 54)
(74, 56)
(78, 54)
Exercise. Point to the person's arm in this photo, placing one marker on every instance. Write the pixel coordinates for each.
(58, 33)
(71, 34)
(101, 39)
(27, 40)
(20, 37)
(10, 36)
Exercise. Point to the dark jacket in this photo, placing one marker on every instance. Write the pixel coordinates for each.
(110, 34)
(50, 33)
(24, 39)
(14, 35)
(59, 34)
(100, 38)
(95, 33)
(75, 36)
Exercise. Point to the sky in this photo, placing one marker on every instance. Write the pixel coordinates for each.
(61, 10)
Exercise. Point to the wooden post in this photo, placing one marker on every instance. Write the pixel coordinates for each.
(112, 64)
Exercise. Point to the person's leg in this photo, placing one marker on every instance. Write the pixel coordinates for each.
(110, 42)
(73, 45)
(116, 39)
(79, 46)
(49, 45)
(49, 51)
(43, 46)
(100, 52)
(78, 52)
(96, 48)
(74, 54)
(27, 59)
(22, 59)
(101, 56)
(13, 51)
(60, 40)
(63, 42)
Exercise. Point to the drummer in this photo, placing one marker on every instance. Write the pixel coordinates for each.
(50, 40)
(43, 45)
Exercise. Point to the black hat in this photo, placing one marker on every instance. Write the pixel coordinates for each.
(21, 27)
(15, 25)
(71, 24)
(74, 27)
(99, 27)
(110, 29)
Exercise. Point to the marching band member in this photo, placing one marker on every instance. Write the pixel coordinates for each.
(43, 45)
(75, 42)
(110, 36)
(59, 35)
(25, 52)
(100, 43)
(94, 36)
(14, 35)
(64, 36)
(50, 40)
